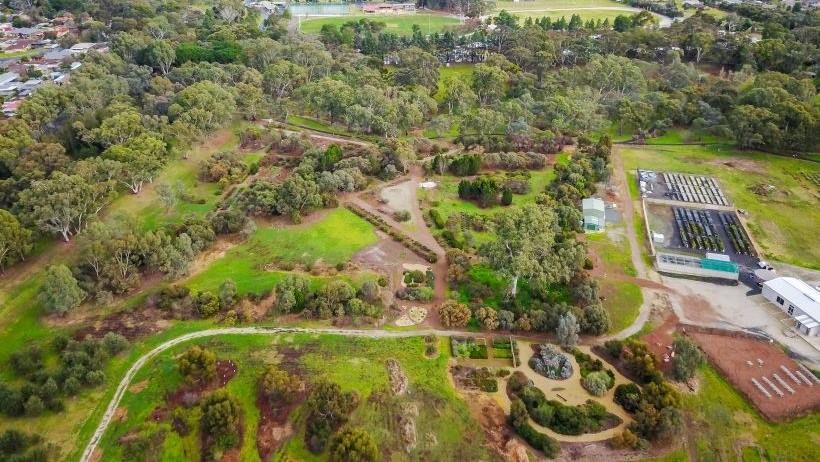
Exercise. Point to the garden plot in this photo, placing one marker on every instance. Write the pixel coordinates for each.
(698, 231)
(777, 385)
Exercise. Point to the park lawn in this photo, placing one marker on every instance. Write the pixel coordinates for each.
(354, 363)
(622, 298)
(783, 224)
(722, 418)
(684, 136)
(332, 239)
(614, 251)
(622, 301)
(397, 24)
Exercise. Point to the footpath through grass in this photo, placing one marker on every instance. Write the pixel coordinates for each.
(332, 239)
(783, 222)
(356, 364)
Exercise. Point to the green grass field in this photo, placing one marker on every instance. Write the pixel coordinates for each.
(397, 24)
(783, 223)
(355, 364)
(622, 298)
(587, 9)
(333, 239)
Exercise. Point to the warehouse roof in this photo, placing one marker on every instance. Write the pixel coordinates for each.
(798, 293)
(592, 203)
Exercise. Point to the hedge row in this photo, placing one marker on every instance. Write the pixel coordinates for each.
(420, 249)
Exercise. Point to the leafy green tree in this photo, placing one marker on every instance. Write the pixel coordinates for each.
(63, 203)
(328, 409)
(296, 196)
(488, 82)
(292, 293)
(353, 445)
(457, 95)
(524, 238)
(60, 291)
(221, 418)
(205, 106)
(227, 293)
(161, 55)
(139, 158)
(197, 365)
(279, 385)
(417, 67)
(687, 359)
(15, 240)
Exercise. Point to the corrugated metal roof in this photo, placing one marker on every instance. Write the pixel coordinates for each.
(798, 293)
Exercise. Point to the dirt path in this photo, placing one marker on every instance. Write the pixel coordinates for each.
(420, 233)
(573, 394)
(122, 387)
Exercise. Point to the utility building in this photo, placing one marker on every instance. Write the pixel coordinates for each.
(797, 299)
(594, 214)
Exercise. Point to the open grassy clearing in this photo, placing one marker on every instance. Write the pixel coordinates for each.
(783, 223)
(146, 207)
(355, 364)
(444, 196)
(332, 239)
(397, 24)
(724, 422)
(622, 298)
(459, 71)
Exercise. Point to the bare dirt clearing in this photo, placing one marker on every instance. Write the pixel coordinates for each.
(742, 359)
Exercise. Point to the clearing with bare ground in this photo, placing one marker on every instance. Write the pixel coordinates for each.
(742, 359)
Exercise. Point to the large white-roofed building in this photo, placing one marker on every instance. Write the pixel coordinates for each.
(797, 299)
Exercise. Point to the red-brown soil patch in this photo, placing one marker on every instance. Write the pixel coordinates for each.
(188, 395)
(660, 340)
(730, 353)
(131, 324)
(493, 421)
(274, 427)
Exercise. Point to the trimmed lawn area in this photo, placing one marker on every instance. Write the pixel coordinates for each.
(397, 24)
(724, 420)
(622, 298)
(333, 239)
(783, 223)
(356, 364)
(623, 302)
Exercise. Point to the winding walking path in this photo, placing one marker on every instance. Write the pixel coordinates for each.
(132, 372)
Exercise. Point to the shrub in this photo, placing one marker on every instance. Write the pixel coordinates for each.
(438, 220)
(197, 364)
(454, 314)
(279, 385)
(114, 343)
(402, 215)
(353, 445)
(551, 363)
(60, 292)
(328, 409)
(597, 383)
(628, 396)
(207, 304)
(220, 418)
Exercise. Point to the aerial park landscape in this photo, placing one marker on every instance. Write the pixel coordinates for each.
(451, 231)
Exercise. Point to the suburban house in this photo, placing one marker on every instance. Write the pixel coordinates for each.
(594, 214)
(797, 299)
